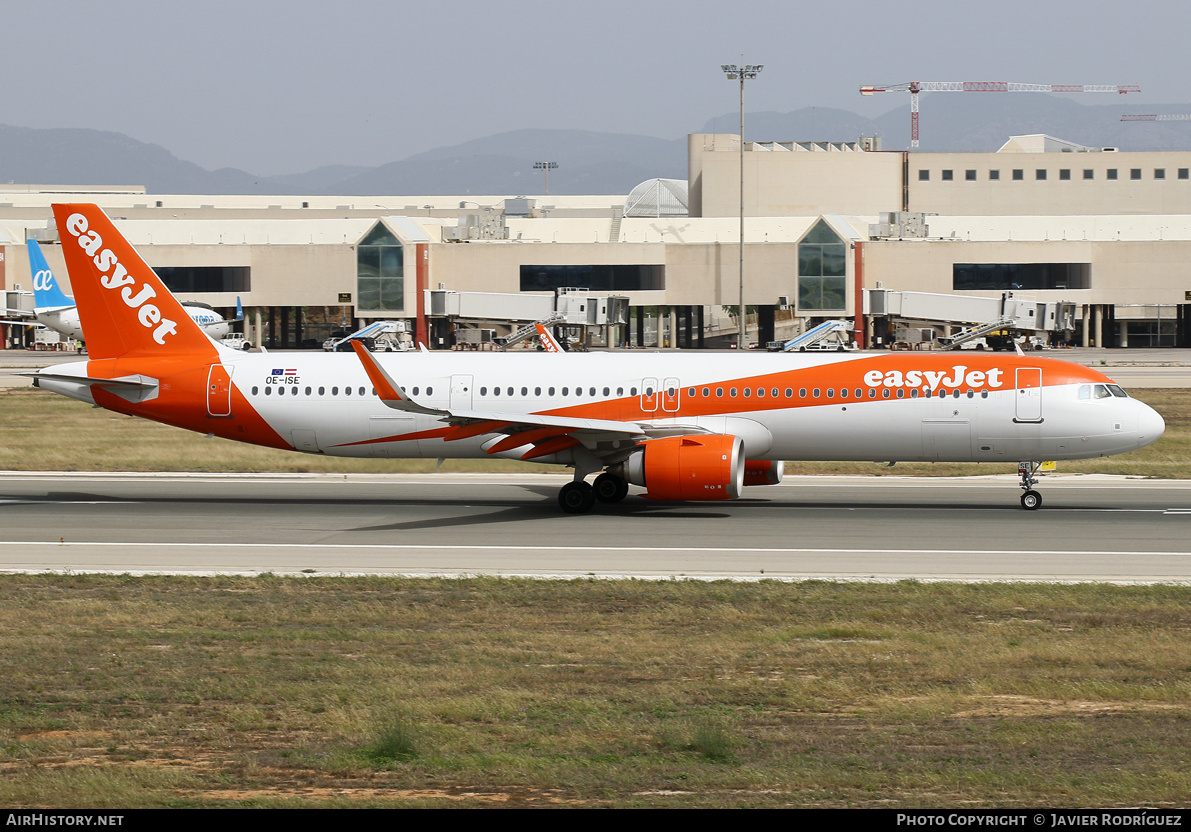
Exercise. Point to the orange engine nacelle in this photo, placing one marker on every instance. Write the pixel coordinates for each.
(689, 467)
(757, 472)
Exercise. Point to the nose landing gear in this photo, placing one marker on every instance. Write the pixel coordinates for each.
(1031, 500)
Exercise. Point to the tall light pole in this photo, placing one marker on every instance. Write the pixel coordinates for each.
(546, 166)
(733, 73)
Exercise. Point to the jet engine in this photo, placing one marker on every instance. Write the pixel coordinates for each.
(758, 472)
(703, 467)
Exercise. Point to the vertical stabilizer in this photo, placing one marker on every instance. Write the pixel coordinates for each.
(47, 294)
(123, 306)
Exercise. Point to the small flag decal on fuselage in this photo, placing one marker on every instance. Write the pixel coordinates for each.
(285, 372)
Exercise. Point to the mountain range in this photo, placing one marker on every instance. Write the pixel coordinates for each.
(588, 162)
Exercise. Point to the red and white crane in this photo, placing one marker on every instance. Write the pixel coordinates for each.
(915, 87)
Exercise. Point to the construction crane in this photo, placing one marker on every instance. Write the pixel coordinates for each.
(915, 87)
(1162, 117)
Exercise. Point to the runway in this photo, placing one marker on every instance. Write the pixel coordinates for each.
(1091, 528)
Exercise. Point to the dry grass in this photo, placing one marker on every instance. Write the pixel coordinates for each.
(124, 692)
(46, 432)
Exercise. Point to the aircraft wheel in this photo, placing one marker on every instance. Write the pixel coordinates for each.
(576, 497)
(610, 488)
(1031, 500)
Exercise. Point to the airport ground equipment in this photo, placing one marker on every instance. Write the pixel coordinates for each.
(389, 336)
(816, 339)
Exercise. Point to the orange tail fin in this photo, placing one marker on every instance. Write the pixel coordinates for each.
(123, 306)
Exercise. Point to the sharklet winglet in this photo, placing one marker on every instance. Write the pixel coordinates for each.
(390, 391)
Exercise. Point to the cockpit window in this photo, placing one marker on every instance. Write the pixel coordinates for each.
(1100, 392)
(1116, 390)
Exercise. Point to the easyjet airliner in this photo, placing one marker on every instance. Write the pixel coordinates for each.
(683, 425)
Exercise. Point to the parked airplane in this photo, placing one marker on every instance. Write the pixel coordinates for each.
(55, 309)
(684, 425)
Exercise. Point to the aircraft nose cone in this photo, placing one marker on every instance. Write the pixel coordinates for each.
(1150, 426)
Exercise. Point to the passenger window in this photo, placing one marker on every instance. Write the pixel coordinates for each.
(362, 391)
(971, 394)
(524, 391)
(719, 392)
(872, 393)
(254, 391)
(816, 393)
(322, 391)
(607, 391)
(843, 392)
(789, 392)
(859, 393)
(706, 392)
(748, 391)
(632, 391)
(802, 392)
(294, 391)
(510, 391)
(335, 391)
(901, 392)
(885, 393)
(760, 392)
(831, 392)
(620, 391)
(268, 391)
(415, 391)
(551, 391)
(537, 391)
(914, 393)
(347, 391)
(591, 391)
(564, 390)
(732, 393)
(483, 391)
(773, 392)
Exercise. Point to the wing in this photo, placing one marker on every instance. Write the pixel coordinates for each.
(608, 439)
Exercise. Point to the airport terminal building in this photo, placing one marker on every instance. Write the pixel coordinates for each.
(1107, 231)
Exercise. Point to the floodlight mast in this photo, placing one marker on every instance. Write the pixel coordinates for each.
(547, 167)
(741, 73)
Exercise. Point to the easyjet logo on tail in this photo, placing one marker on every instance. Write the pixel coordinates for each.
(116, 277)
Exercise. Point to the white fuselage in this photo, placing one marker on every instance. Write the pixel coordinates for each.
(797, 407)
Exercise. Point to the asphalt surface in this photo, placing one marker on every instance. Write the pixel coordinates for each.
(1091, 528)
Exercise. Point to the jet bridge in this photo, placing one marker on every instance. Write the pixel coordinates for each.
(516, 313)
(976, 316)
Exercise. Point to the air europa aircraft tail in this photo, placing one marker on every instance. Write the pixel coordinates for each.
(124, 307)
(47, 294)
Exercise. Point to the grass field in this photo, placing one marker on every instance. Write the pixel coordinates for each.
(46, 432)
(124, 692)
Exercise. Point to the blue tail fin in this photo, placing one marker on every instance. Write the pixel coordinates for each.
(47, 294)
(239, 310)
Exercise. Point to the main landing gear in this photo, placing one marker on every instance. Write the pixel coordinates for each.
(577, 497)
(1030, 499)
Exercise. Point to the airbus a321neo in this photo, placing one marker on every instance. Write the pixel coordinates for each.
(682, 425)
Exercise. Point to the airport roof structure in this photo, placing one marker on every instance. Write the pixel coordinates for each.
(657, 198)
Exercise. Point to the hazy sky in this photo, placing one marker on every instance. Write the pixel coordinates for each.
(282, 87)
